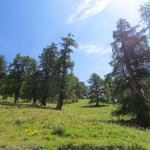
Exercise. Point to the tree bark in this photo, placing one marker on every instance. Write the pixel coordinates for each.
(60, 102)
(16, 98)
(143, 119)
(97, 103)
(34, 100)
(97, 99)
(43, 102)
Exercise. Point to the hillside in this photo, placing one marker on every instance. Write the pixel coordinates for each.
(36, 128)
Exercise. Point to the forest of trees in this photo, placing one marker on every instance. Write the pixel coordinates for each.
(51, 78)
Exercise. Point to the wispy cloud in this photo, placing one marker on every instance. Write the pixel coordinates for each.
(126, 9)
(93, 49)
(86, 9)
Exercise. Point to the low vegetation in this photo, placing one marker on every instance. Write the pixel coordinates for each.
(79, 126)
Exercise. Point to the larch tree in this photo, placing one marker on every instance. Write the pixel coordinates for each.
(29, 89)
(81, 90)
(3, 66)
(65, 65)
(3, 75)
(19, 69)
(75, 89)
(110, 88)
(145, 14)
(96, 88)
(48, 66)
(130, 70)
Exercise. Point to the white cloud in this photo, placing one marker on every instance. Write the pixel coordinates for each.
(93, 49)
(126, 9)
(79, 9)
(88, 8)
(117, 8)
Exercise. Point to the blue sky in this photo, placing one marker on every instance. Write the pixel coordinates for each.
(27, 26)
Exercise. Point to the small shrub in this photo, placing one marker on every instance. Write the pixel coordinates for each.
(19, 122)
(88, 147)
(93, 147)
(59, 130)
(2, 147)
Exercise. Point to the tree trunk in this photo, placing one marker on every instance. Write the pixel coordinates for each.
(143, 119)
(16, 99)
(60, 102)
(113, 98)
(97, 100)
(4, 97)
(97, 103)
(34, 100)
(43, 102)
(97, 97)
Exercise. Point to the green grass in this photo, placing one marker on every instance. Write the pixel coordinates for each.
(28, 128)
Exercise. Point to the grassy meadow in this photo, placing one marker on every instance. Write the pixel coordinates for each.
(79, 124)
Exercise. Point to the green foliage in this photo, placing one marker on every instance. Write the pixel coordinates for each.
(48, 70)
(130, 68)
(3, 66)
(145, 13)
(58, 130)
(75, 89)
(96, 88)
(65, 66)
(81, 90)
(29, 88)
(71, 95)
(3, 77)
(49, 79)
(19, 71)
(109, 86)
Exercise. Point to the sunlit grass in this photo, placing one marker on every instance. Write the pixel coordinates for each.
(25, 127)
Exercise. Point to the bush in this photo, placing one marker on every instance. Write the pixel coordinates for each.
(93, 147)
(59, 130)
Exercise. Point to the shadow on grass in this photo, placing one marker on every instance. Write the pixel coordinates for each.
(92, 147)
(126, 123)
(6, 103)
(23, 105)
(2, 147)
(94, 106)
